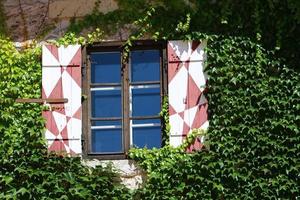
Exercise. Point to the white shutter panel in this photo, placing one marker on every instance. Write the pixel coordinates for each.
(186, 83)
(61, 78)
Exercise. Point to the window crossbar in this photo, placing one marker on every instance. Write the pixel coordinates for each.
(146, 125)
(145, 83)
(144, 117)
(105, 118)
(106, 127)
(106, 88)
(144, 86)
(93, 85)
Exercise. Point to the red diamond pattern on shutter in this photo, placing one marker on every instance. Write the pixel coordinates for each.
(61, 78)
(186, 83)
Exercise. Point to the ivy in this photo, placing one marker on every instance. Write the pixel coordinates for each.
(112, 21)
(27, 170)
(253, 137)
(253, 94)
(164, 114)
(273, 24)
(71, 38)
(255, 123)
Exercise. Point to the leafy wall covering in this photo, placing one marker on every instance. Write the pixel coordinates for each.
(253, 143)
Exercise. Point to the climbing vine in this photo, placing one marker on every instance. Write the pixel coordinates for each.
(253, 95)
(273, 24)
(164, 114)
(253, 137)
(27, 170)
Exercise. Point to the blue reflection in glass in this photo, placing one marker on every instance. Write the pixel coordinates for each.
(106, 123)
(145, 101)
(146, 121)
(105, 67)
(145, 65)
(148, 137)
(106, 103)
(107, 140)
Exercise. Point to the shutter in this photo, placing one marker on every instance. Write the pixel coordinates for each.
(186, 83)
(61, 78)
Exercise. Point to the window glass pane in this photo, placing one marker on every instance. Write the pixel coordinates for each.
(146, 133)
(105, 67)
(106, 123)
(107, 140)
(145, 65)
(145, 101)
(106, 103)
(146, 121)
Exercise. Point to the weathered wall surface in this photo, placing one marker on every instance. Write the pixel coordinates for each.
(25, 19)
(47, 19)
(131, 175)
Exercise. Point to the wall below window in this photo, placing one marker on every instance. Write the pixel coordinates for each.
(131, 175)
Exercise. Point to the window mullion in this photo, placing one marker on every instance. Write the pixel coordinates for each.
(125, 105)
(145, 117)
(88, 77)
(94, 85)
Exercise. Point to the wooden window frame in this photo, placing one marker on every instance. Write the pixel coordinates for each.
(86, 100)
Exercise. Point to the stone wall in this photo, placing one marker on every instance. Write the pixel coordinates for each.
(47, 19)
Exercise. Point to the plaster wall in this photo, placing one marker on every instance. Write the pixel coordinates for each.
(131, 175)
(48, 19)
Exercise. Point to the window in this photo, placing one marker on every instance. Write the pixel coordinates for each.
(123, 98)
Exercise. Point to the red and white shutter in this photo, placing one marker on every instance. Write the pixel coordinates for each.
(186, 83)
(61, 78)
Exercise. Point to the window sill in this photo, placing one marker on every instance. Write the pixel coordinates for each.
(105, 156)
